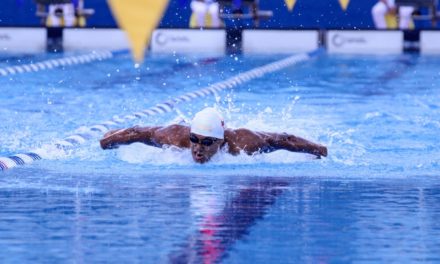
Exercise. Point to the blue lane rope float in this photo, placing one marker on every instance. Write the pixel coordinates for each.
(55, 63)
(161, 108)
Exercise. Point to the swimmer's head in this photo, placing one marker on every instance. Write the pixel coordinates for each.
(207, 134)
(208, 123)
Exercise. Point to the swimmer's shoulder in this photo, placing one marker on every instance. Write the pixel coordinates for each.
(243, 139)
(176, 127)
(176, 134)
(174, 130)
(241, 133)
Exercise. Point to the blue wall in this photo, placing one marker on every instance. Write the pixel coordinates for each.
(306, 14)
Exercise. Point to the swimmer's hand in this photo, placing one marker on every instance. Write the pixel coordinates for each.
(324, 151)
(107, 141)
(113, 138)
(321, 151)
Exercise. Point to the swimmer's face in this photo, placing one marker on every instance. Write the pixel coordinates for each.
(203, 148)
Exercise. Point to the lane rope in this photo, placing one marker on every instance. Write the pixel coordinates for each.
(161, 108)
(56, 63)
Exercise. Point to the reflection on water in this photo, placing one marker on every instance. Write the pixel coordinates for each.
(218, 232)
(212, 219)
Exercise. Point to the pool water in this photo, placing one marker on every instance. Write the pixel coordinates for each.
(375, 198)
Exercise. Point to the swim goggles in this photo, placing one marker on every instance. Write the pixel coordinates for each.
(208, 141)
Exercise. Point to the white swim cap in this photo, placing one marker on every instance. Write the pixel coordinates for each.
(208, 123)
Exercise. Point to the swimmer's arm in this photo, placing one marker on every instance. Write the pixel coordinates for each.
(295, 144)
(115, 138)
(252, 142)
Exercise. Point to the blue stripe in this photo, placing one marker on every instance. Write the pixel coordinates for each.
(71, 140)
(163, 108)
(34, 156)
(106, 126)
(85, 136)
(97, 129)
(3, 166)
(17, 160)
(171, 105)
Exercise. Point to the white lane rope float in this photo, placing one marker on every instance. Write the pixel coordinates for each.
(56, 63)
(161, 108)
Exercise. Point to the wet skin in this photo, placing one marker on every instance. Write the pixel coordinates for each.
(235, 141)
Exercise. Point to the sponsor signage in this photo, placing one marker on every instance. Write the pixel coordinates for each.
(365, 42)
(26, 40)
(430, 42)
(188, 40)
(91, 39)
(279, 41)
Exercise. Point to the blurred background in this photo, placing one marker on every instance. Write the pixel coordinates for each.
(326, 14)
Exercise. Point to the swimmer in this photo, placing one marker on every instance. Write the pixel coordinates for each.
(207, 135)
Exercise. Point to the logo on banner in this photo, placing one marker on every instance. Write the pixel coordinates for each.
(339, 40)
(163, 39)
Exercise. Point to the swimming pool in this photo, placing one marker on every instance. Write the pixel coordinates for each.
(375, 198)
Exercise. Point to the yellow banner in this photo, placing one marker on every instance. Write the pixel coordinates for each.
(344, 4)
(138, 18)
(290, 4)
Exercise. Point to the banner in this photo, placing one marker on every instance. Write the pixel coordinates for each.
(138, 18)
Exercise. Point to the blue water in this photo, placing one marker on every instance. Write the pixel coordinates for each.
(375, 198)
